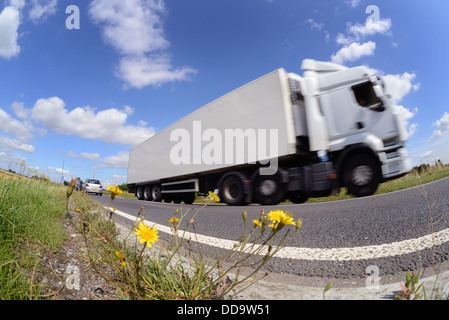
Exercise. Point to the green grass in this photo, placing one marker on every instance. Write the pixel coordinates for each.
(30, 213)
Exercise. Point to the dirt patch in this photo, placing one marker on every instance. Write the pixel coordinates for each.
(68, 275)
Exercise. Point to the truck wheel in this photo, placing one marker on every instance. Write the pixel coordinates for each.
(232, 191)
(177, 198)
(362, 175)
(298, 197)
(147, 194)
(189, 198)
(156, 193)
(168, 198)
(268, 190)
(139, 193)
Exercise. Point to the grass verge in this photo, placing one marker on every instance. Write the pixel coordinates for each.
(30, 222)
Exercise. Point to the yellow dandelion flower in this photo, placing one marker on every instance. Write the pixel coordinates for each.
(115, 191)
(280, 219)
(258, 223)
(173, 220)
(147, 235)
(213, 196)
(121, 257)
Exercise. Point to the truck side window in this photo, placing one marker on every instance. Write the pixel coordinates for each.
(366, 97)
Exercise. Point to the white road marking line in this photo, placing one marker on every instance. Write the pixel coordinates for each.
(334, 254)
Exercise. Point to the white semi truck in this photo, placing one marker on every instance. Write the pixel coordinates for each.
(282, 136)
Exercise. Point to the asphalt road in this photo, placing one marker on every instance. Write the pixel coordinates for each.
(395, 232)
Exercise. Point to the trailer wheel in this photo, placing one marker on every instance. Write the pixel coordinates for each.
(147, 194)
(177, 198)
(189, 197)
(268, 190)
(168, 198)
(156, 193)
(362, 175)
(139, 193)
(232, 191)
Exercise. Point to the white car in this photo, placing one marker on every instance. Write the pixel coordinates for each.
(94, 186)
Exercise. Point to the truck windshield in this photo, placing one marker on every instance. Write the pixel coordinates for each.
(366, 97)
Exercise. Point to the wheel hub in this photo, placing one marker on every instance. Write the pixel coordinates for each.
(267, 188)
(362, 175)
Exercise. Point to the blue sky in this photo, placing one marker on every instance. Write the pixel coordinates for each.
(84, 97)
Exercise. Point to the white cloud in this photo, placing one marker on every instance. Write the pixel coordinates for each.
(355, 34)
(85, 155)
(442, 126)
(9, 160)
(8, 144)
(140, 72)
(399, 85)
(41, 9)
(18, 133)
(120, 160)
(106, 125)
(320, 27)
(134, 29)
(19, 4)
(358, 32)
(315, 25)
(9, 25)
(15, 127)
(10, 20)
(353, 3)
(354, 52)
(426, 154)
(53, 170)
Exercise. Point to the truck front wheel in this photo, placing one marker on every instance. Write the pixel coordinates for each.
(362, 175)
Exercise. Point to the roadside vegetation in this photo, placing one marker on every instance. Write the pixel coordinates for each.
(31, 211)
(143, 267)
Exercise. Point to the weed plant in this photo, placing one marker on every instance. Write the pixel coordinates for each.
(141, 267)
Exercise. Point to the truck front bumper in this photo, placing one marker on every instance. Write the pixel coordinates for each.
(395, 163)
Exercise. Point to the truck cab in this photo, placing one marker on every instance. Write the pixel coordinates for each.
(348, 114)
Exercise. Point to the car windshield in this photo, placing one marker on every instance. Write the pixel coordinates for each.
(93, 181)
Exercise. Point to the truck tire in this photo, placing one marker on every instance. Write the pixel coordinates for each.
(189, 198)
(362, 175)
(269, 190)
(156, 193)
(232, 191)
(168, 198)
(177, 198)
(147, 193)
(139, 193)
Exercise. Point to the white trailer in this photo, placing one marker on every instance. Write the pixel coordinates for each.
(280, 136)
